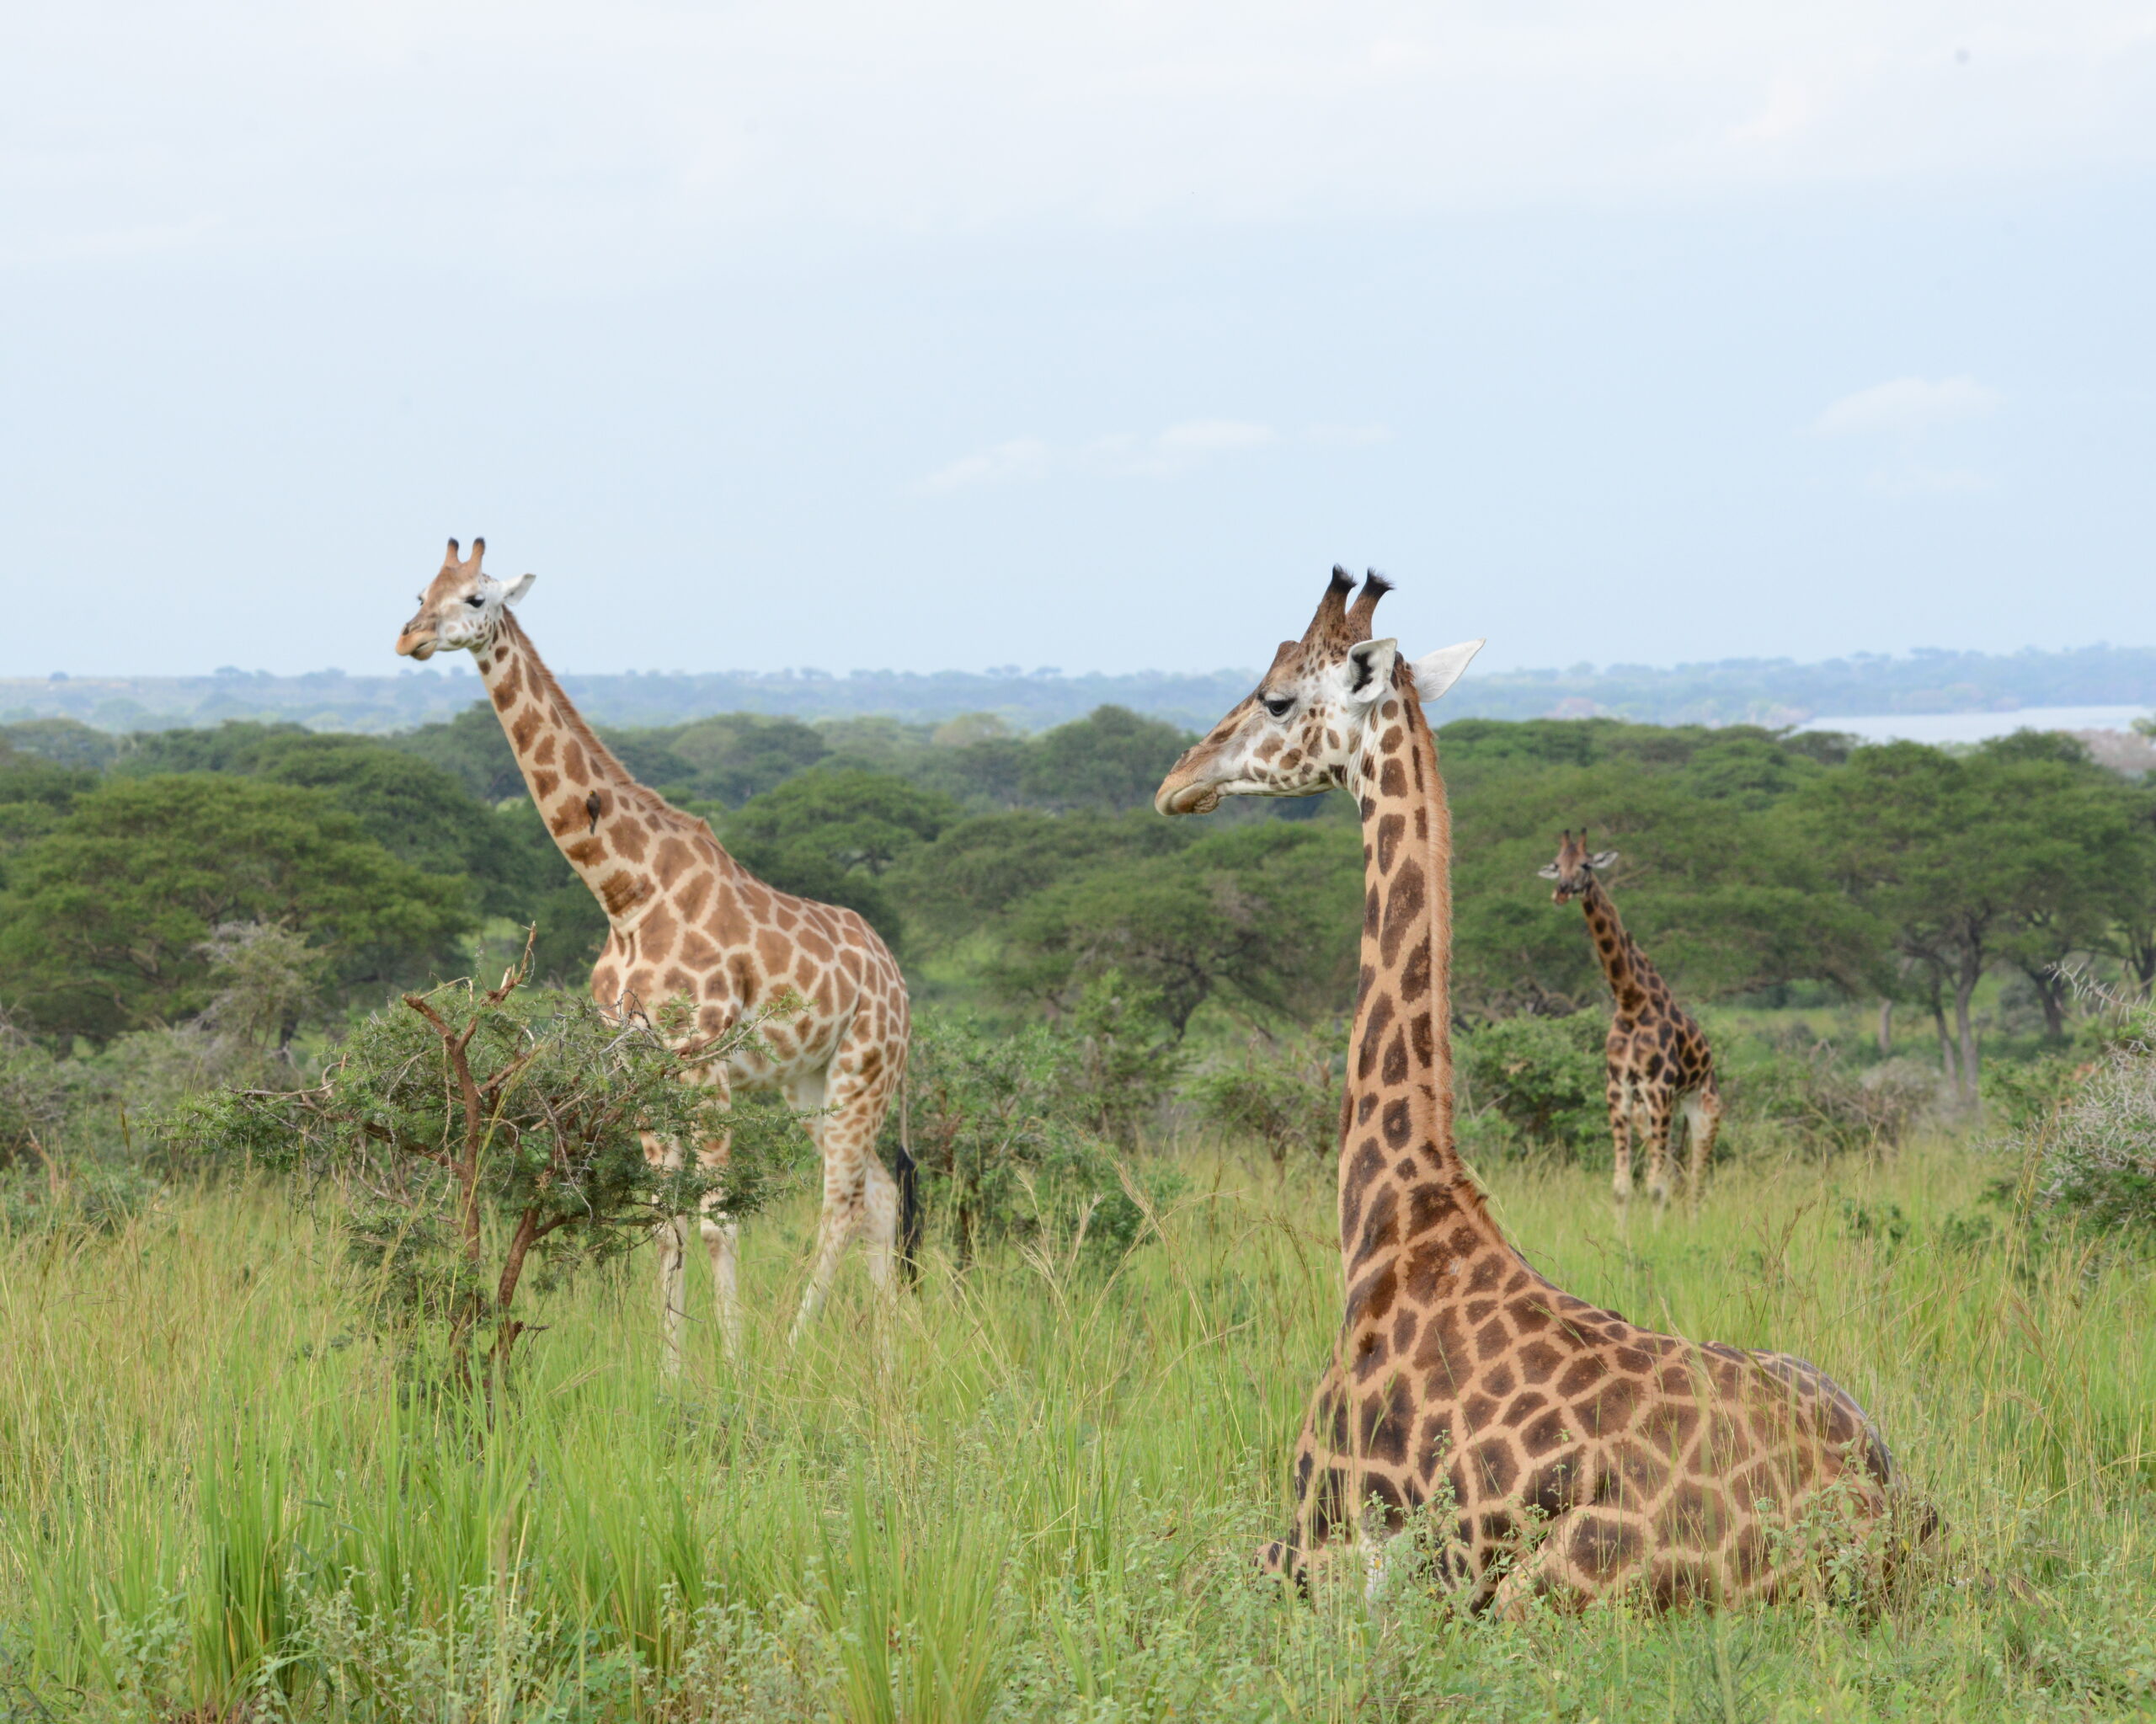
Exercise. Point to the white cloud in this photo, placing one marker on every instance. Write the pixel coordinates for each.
(1176, 449)
(1907, 406)
(1203, 437)
(1021, 458)
(658, 132)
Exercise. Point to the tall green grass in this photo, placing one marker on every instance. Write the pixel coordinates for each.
(221, 1494)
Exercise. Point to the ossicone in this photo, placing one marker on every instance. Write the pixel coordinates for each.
(1375, 586)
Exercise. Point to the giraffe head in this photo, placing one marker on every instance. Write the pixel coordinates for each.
(461, 608)
(1297, 732)
(1574, 869)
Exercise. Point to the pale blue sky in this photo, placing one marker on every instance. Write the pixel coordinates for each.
(963, 334)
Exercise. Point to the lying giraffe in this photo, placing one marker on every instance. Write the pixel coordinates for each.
(1568, 1453)
(687, 921)
(1656, 1058)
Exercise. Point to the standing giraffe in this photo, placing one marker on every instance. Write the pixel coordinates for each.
(688, 922)
(1656, 1058)
(1568, 1453)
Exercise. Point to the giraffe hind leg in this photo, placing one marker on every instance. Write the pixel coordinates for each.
(857, 1190)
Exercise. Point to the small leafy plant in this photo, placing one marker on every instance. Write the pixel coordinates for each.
(474, 1134)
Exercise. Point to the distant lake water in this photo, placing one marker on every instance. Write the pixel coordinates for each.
(1978, 727)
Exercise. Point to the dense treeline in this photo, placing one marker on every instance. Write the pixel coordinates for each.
(1010, 872)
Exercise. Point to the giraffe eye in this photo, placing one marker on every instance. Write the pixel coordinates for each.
(1280, 705)
(476, 600)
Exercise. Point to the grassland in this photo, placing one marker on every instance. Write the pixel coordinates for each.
(222, 1495)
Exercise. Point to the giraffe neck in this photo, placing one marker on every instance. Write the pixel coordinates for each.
(1632, 978)
(1400, 1171)
(599, 817)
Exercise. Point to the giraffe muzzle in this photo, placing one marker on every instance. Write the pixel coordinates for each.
(416, 643)
(1186, 799)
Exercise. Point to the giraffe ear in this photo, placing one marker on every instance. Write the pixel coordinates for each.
(1436, 672)
(1602, 858)
(1550, 871)
(518, 588)
(1369, 669)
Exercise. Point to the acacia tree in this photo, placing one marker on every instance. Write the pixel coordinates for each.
(2002, 857)
(474, 1133)
(104, 919)
(1262, 917)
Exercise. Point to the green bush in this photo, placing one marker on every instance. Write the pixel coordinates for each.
(34, 1096)
(2097, 1147)
(1287, 1097)
(1002, 1152)
(1542, 1076)
(1117, 1058)
(470, 1137)
(1828, 1107)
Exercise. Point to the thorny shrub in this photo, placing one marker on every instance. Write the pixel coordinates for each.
(473, 1135)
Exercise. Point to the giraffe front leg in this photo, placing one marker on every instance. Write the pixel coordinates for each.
(671, 1240)
(722, 1240)
(722, 1233)
(1655, 1125)
(1620, 1133)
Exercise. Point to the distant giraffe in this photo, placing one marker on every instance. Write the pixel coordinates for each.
(1656, 1058)
(1567, 1452)
(688, 922)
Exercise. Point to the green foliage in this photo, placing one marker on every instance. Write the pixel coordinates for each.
(1261, 917)
(1121, 1058)
(2011, 854)
(512, 1118)
(1110, 760)
(1036, 1496)
(1543, 1076)
(1000, 1152)
(34, 1096)
(1814, 1096)
(831, 835)
(726, 758)
(63, 742)
(104, 920)
(2096, 1147)
(75, 1198)
(35, 796)
(1719, 902)
(1286, 1096)
(421, 812)
(265, 981)
(979, 870)
(472, 748)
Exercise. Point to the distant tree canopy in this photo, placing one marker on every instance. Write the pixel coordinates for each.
(1029, 870)
(104, 917)
(419, 812)
(832, 834)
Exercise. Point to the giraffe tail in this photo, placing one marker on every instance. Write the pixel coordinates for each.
(909, 1177)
